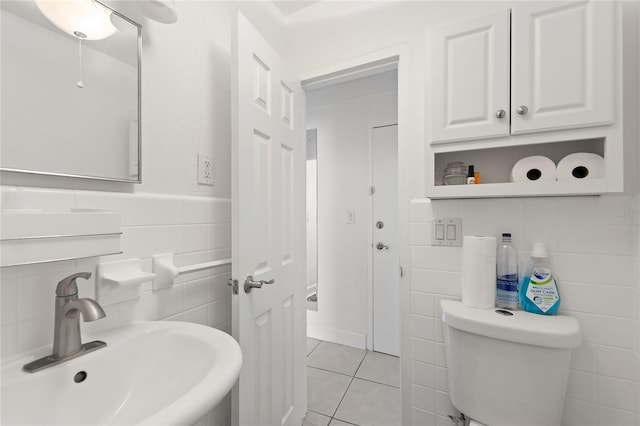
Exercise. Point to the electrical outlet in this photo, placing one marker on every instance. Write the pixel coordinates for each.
(205, 169)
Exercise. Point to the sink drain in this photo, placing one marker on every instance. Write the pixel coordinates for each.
(80, 376)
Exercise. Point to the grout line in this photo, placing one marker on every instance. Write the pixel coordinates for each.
(353, 377)
(361, 362)
(314, 348)
(317, 412)
(349, 423)
(378, 383)
(341, 399)
(329, 371)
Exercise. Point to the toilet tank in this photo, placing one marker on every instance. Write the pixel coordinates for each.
(508, 367)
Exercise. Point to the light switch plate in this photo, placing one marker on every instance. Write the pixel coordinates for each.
(205, 169)
(351, 217)
(446, 232)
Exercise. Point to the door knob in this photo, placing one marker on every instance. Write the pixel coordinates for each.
(381, 246)
(500, 113)
(250, 283)
(522, 110)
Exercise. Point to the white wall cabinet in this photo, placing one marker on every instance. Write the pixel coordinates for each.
(470, 79)
(543, 78)
(562, 65)
(541, 66)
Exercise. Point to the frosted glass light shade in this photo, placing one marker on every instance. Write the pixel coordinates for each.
(163, 11)
(84, 16)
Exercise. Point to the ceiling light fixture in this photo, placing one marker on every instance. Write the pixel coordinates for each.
(83, 19)
(74, 17)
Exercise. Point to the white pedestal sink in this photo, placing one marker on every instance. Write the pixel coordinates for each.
(150, 373)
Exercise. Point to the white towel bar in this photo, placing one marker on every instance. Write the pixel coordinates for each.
(202, 266)
(166, 270)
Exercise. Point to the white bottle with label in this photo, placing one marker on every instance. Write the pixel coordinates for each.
(539, 291)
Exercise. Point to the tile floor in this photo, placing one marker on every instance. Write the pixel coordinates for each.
(349, 386)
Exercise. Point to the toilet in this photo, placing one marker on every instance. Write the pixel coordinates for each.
(508, 368)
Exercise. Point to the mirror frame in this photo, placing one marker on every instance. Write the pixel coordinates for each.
(101, 178)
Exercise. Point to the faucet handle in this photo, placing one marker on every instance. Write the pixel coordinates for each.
(67, 286)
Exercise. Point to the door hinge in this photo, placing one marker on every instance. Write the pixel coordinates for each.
(233, 284)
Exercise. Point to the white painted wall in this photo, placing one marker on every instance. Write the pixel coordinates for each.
(186, 104)
(186, 97)
(185, 109)
(330, 44)
(599, 393)
(187, 94)
(322, 37)
(344, 115)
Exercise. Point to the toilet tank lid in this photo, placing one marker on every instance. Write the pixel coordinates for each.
(558, 331)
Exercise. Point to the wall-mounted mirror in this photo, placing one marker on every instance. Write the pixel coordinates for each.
(70, 96)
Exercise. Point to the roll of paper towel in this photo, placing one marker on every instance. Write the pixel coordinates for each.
(533, 169)
(479, 272)
(581, 165)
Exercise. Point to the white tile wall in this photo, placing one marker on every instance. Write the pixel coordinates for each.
(593, 244)
(196, 229)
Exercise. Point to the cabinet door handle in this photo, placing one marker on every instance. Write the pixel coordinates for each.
(500, 113)
(522, 110)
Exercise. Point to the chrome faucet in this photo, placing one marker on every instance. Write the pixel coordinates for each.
(67, 342)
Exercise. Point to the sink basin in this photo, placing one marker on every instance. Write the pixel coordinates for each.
(151, 373)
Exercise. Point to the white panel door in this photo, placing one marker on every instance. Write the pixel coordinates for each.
(268, 241)
(563, 58)
(469, 89)
(386, 241)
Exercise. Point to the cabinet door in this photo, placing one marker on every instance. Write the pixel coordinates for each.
(469, 88)
(562, 65)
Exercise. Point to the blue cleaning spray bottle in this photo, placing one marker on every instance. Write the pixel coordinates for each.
(539, 291)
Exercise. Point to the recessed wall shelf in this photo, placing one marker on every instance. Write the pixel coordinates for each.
(495, 164)
(520, 189)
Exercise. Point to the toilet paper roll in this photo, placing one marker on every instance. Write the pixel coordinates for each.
(479, 272)
(536, 168)
(581, 165)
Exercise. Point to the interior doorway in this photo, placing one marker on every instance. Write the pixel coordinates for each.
(352, 115)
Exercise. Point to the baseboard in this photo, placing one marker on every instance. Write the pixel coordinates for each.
(335, 335)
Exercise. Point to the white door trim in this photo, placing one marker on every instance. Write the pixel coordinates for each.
(351, 73)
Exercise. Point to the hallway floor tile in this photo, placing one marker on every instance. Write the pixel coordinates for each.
(349, 386)
(337, 358)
